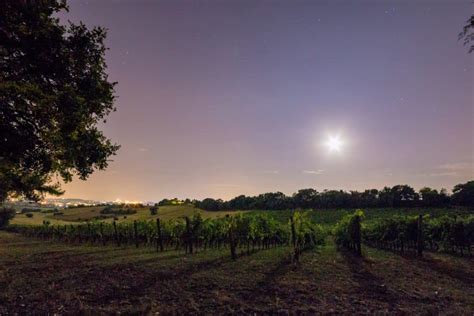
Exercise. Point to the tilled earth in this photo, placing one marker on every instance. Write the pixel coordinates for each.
(46, 278)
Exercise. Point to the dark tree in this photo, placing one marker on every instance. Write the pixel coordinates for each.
(370, 198)
(431, 197)
(334, 199)
(164, 202)
(385, 197)
(403, 195)
(154, 209)
(467, 34)
(6, 214)
(54, 91)
(463, 194)
(306, 198)
(210, 204)
(273, 201)
(241, 202)
(396, 196)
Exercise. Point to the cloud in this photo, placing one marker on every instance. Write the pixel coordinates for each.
(272, 172)
(456, 166)
(452, 169)
(443, 174)
(314, 172)
(225, 185)
(143, 149)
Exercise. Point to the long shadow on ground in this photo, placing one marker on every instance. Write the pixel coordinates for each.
(370, 287)
(440, 267)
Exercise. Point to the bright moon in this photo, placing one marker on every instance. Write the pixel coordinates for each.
(334, 143)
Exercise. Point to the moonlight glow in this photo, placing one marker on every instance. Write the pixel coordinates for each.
(334, 143)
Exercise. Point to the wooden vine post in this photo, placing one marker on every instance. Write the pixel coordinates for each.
(89, 233)
(357, 237)
(232, 241)
(135, 232)
(419, 236)
(79, 231)
(402, 244)
(101, 227)
(189, 237)
(159, 237)
(117, 239)
(296, 254)
(460, 237)
(69, 233)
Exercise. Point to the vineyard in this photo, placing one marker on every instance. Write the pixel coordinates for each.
(450, 234)
(347, 232)
(244, 233)
(242, 264)
(249, 232)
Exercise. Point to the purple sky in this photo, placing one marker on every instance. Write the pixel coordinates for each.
(220, 98)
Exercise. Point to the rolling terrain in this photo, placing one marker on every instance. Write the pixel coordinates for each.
(90, 213)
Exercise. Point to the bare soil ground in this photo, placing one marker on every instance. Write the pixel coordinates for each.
(47, 277)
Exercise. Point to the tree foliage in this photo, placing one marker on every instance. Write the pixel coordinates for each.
(54, 91)
(463, 194)
(467, 34)
(396, 196)
(347, 232)
(6, 214)
(154, 209)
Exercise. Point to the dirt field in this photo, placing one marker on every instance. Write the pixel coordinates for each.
(48, 277)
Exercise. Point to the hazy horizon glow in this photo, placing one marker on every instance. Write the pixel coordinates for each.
(221, 98)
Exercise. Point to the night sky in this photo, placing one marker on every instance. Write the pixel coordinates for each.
(221, 98)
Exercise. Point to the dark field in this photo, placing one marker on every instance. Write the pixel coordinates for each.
(48, 277)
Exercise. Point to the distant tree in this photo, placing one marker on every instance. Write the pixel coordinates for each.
(431, 197)
(241, 202)
(356, 199)
(210, 204)
(463, 194)
(273, 201)
(396, 196)
(467, 34)
(6, 214)
(370, 198)
(175, 201)
(164, 202)
(54, 91)
(428, 196)
(444, 198)
(306, 198)
(403, 195)
(385, 197)
(154, 210)
(334, 199)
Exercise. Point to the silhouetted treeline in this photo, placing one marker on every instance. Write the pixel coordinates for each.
(396, 196)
